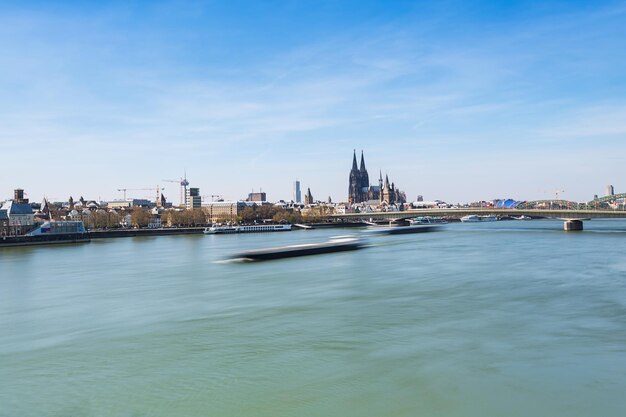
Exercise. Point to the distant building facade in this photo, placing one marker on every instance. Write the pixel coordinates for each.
(257, 197)
(223, 211)
(128, 204)
(610, 190)
(21, 218)
(297, 194)
(308, 197)
(4, 223)
(193, 200)
(388, 192)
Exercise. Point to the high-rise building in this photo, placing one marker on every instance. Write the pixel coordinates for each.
(297, 194)
(193, 200)
(610, 190)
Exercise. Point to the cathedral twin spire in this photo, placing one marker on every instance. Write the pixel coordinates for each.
(354, 165)
(358, 189)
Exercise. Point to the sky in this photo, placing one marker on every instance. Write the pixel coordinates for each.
(457, 101)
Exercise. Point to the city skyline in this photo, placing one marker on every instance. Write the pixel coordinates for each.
(456, 102)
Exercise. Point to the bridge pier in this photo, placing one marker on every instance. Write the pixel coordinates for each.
(573, 225)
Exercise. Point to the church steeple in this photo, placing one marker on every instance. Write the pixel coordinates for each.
(359, 186)
(354, 186)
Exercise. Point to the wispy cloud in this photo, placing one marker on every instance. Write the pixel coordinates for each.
(75, 81)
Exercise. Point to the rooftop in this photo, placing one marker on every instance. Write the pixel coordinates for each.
(13, 208)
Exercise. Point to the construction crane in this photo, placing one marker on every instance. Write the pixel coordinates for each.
(158, 189)
(183, 188)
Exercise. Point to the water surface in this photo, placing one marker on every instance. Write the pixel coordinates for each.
(506, 318)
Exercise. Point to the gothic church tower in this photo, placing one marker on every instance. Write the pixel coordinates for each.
(365, 179)
(354, 187)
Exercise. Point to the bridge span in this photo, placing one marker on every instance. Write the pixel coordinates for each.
(573, 218)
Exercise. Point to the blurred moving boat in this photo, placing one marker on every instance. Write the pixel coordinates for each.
(522, 217)
(401, 230)
(335, 244)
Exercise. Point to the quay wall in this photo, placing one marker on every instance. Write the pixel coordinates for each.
(8, 241)
(102, 234)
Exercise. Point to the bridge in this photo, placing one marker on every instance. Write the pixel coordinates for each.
(573, 218)
(608, 202)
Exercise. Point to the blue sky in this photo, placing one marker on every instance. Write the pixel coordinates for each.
(454, 100)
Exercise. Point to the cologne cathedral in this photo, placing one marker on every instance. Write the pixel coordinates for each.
(360, 190)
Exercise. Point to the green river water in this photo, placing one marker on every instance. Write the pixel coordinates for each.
(499, 319)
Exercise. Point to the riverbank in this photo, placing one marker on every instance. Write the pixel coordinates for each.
(102, 234)
(9, 241)
(118, 233)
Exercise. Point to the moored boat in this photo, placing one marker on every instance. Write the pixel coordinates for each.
(473, 218)
(427, 220)
(254, 228)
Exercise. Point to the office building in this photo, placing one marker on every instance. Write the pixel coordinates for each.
(297, 194)
(193, 200)
(610, 190)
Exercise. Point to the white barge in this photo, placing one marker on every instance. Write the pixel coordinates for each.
(254, 228)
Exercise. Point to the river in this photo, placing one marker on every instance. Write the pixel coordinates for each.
(510, 318)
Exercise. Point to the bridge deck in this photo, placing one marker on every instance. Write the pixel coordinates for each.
(553, 214)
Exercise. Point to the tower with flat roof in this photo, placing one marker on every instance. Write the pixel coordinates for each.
(297, 194)
(610, 190)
